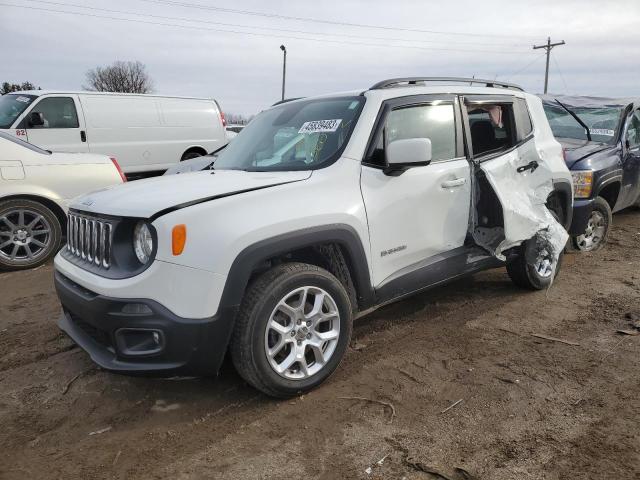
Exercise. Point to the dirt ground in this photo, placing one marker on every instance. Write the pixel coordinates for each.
(529, 408)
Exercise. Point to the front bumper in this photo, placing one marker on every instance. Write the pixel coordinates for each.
(112, 334)
(581, 212)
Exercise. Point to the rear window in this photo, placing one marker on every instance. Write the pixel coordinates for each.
(22, 143)
(12, 106)
(492, 127)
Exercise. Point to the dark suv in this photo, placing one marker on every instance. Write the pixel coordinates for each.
(601, 143)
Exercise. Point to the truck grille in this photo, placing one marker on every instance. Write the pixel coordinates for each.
(89, 239)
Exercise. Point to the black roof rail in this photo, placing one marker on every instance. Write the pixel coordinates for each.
(415, 80)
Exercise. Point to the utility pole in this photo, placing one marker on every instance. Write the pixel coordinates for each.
(284, 67)
(548, 47)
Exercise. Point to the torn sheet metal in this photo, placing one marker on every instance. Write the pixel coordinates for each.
(523, 197)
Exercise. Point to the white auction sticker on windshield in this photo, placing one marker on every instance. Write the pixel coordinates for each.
(320, 126)
(23, 99)
(601, 131)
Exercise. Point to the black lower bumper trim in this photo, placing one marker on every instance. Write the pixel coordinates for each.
(94, 322)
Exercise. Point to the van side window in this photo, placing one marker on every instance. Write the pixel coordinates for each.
(435, 122)
(492, 127)
(523, 119)
(57, 112)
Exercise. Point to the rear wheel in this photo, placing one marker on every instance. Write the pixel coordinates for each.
(293, 329)
(30, 234)
(535, 265)
(597, 231)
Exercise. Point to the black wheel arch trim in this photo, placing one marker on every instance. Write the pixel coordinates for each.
(341, 234)
(563, 187)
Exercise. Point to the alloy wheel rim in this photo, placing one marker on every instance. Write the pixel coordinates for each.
(544, 264)
(593, 234)
(25, 235)
(302, 333)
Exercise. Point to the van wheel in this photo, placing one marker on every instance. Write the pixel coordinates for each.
(597, 231)
(30, 234)
(292, 329)
(189, 154)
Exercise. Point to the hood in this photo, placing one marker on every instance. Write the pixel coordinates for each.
(576, 150)
(146, 198)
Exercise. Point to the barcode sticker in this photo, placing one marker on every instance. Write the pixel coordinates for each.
(319, 126)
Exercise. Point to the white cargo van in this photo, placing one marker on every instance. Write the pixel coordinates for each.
(144, 132)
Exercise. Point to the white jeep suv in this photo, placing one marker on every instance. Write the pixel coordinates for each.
(323, 209)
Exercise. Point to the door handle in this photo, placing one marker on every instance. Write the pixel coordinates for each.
(83, 135)
(532, 165)
(458, 182)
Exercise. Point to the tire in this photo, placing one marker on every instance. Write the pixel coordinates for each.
(30, 234)
(188, 155)
(597, 231)
(275, 292)
(533, 268)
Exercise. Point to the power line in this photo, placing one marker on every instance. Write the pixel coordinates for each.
(566, 88)
(208, 22)
(327, 22)
(257, 34)
(518, 72)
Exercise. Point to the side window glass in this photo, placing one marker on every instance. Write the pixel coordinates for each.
(55, 112)
(492, 128)
(633, 130)
(523, 120)
(435, 122)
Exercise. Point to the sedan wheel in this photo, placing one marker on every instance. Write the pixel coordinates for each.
(29, 234)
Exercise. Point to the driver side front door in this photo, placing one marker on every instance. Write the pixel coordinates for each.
(422, 214)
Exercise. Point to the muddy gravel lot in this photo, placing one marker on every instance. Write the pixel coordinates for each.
(452, 383)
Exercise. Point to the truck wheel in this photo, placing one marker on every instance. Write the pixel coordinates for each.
(597, 231)
(292, 329)
(30, 234)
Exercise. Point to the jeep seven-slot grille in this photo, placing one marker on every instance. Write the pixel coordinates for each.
(89, 239)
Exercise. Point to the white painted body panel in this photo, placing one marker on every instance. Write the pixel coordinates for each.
(413, 212)
(412, 209)
(144, 132)
(58, 177)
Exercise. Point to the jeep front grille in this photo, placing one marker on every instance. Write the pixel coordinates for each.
(89, 239)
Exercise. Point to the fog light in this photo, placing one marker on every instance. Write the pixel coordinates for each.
(136, 309)
(139, 341)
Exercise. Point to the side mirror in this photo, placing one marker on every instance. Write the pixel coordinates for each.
(407, 153)
(36, 119)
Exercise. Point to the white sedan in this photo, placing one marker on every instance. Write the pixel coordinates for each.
(36, 187)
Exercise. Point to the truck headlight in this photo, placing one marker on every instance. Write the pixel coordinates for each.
(142, 242)
(582, 183)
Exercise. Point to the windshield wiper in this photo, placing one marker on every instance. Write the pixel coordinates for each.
(576, 117)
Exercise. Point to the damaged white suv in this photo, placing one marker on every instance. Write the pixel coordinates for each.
(320, 210)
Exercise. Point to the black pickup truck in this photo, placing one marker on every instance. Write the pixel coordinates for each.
(601, 143)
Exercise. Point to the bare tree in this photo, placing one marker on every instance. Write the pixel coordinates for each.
(123, 77)
(17, 87)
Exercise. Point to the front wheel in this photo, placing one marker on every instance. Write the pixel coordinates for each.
(292, 330)
(595, 235)
(30, 234)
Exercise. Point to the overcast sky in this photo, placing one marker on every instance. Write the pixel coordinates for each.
(243, 71)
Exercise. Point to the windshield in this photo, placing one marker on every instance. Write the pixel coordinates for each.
(602, 122)
(302, 135)
(12, 106)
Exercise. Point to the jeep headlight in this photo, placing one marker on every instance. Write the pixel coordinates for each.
(143, 242)
(582, 183)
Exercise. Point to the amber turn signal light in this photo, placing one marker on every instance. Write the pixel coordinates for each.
(178, 239)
